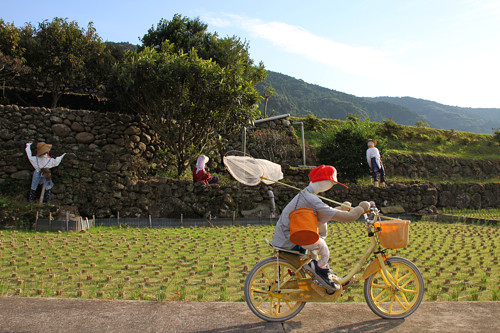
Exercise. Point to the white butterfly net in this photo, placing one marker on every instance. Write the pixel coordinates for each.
(252, 171)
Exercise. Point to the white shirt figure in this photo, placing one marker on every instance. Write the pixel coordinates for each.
(375, 163)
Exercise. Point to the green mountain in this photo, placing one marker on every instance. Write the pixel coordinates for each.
(300, 98)
(477, 120)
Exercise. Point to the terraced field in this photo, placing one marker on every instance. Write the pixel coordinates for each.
(459, 262)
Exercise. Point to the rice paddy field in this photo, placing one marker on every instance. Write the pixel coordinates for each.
(459, 262)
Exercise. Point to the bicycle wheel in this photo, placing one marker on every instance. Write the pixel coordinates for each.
(389, 303)
(261, 290)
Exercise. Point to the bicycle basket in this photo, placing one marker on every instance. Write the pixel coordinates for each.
(394, 234)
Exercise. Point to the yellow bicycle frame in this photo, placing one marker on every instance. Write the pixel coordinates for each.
(306, 290)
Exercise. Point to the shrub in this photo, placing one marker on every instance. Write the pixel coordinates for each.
(497, 135)
(345, 148)
(390, 128)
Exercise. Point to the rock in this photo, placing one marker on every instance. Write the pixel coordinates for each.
(84, 137)
(22, 175)
(61, 130)
(398, 209)
(114, 166)
(5, 134)
(77, 127)
(10, 169)
(262, 210)
(447, 199)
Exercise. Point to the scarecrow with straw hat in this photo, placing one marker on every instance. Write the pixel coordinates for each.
(42, 163)
(375, 163)
(322, 179)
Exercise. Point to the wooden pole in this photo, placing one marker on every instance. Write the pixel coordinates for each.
(42, 193)
(150, 221)
(118, 217)
(67, 221)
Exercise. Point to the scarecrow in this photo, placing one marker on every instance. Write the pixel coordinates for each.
(200, 174)
(42, 163)
(322, 179)
(375, 163)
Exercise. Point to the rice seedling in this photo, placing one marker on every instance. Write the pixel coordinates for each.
(458, 262)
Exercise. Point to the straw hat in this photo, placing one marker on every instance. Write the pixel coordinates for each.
(372, 140)
(42, 148)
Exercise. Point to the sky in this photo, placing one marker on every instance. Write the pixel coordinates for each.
(447, 51)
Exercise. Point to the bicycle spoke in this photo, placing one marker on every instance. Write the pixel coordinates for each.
(260, 291)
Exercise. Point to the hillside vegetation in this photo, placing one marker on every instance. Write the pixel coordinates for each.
(479, 120)
(300, 98)
(414, 139)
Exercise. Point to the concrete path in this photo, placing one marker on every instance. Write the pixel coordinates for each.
(19, 314)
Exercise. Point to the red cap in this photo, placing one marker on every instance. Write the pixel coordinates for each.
(326, 172)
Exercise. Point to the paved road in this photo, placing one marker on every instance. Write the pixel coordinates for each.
(19, 314)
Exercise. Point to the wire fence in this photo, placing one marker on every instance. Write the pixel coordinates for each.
(83, 224)
(182, 222)
(150, 222)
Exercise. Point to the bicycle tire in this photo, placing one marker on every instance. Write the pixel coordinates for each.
(265, 303)
(391, 304)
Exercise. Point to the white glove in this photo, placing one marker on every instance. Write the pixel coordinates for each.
(365, 205)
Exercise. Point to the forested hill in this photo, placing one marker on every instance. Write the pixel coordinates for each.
(300, 98)
(478, 120)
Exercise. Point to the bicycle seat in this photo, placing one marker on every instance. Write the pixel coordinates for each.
(297, 249)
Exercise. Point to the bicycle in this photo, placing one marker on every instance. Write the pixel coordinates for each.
(277, 288)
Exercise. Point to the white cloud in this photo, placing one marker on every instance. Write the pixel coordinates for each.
(441, 77)
(358, 60)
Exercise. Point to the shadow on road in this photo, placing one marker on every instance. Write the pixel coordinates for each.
(372, 326)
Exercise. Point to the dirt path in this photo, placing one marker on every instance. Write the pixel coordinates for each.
(79, 315)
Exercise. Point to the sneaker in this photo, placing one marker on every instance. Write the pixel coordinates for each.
(323, 276)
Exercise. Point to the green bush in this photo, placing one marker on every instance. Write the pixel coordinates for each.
(497, 135)
(392, 129)
(345, 148)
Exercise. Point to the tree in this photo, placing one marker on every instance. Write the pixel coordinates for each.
(190, 99)
(63, 57)
(268, 92)
(198, 87)
(11, 61)
(184, 33)
(345, 147)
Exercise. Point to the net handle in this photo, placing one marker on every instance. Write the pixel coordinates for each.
(319, 196)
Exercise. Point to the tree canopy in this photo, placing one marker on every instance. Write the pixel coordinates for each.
(59, 54)
(193, 99)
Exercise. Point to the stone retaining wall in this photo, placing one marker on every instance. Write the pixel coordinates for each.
(114, 153)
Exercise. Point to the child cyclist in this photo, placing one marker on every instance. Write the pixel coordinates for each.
(321, 178)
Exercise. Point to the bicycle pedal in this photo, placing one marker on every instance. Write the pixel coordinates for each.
(329, 290)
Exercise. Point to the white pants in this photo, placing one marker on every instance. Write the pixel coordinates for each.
(323, 251)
